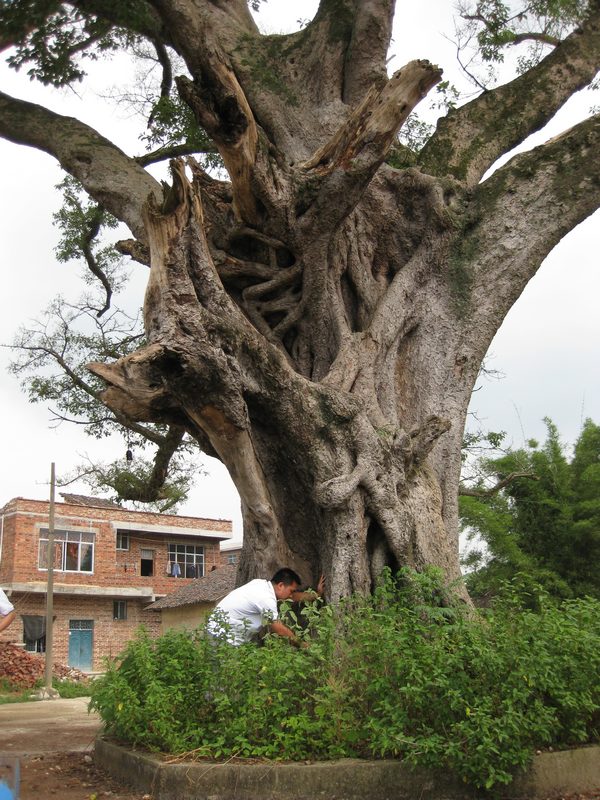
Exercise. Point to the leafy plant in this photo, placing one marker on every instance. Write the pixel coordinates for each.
(405, 673)
(68, 689)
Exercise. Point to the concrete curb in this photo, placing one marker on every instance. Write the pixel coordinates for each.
(348, 779)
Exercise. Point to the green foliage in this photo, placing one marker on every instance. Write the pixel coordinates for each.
(402, 674)
(53, 38)
(172, 123)
(545, 527)
(492, 27)
(68, 689)
(480, 442)
(51, 356)
(11, 693)
(414, 133)
(75, 219)
(132, 480)
(15, 693)
(80, 222)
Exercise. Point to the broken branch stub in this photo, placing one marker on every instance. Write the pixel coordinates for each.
(377, 119)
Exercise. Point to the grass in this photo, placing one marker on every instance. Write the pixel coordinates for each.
(11, 693)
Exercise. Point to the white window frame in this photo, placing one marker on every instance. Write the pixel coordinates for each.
(65, 540)
(186, 555)
(35, 645)
(122, 540)
(119, 610)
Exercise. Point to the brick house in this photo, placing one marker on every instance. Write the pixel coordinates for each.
(189, 606)
(109, 564)
(231, 552)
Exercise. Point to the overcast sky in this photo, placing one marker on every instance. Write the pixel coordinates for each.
(547, 348)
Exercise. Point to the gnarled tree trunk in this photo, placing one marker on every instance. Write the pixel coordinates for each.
(289, 345)
(318, 321)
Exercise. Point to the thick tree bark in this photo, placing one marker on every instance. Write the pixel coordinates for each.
(318, 322)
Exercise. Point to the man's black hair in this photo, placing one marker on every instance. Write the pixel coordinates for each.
(286, 576)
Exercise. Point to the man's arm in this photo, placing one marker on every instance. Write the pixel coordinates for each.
(300, 596)
(6, 621)
(279, 629)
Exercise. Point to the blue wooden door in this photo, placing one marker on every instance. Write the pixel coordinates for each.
(81, 641)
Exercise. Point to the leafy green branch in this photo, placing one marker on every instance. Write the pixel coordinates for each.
(493, 27)
(543, 521)
(50, 357)
(161, 481)
(81, 223)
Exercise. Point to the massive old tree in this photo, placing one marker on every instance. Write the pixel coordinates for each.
(318, 320)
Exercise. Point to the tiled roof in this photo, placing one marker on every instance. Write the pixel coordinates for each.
(89, 502)
(209, 589)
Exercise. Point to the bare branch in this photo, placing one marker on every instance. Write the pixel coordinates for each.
(224, 113)
(378, 117)
(525, 36)
(85, 154)
(365, 62)
(351, 157)
(146, 22)
(174, 151)
(151, 490)
(532, 36)
(93, 266)
(166, 83)
(465, 491)
(119, 417)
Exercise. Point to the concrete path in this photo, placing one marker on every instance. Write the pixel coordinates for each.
(47, 726)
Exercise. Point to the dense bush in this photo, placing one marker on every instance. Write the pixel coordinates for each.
(543, 524)
(401, 674)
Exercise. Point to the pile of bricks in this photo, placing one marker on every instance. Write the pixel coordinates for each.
(23, 670)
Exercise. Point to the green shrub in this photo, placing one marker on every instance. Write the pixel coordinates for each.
(401, 674)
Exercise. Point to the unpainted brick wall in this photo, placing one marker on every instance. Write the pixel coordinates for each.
(116, 569)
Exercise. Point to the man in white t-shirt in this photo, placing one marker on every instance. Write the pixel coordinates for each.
(7, 611)
(242, 613)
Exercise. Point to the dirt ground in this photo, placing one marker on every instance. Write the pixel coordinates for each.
(69, 776)
(53, 741)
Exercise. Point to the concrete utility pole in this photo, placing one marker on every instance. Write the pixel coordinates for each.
(50, 585)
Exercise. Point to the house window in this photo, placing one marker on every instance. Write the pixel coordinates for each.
(122, 541)
(73, 551)
(35, 645)
(34, 633)
(147, 563)
(232, 558)
(186, 561)
(120, 609)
